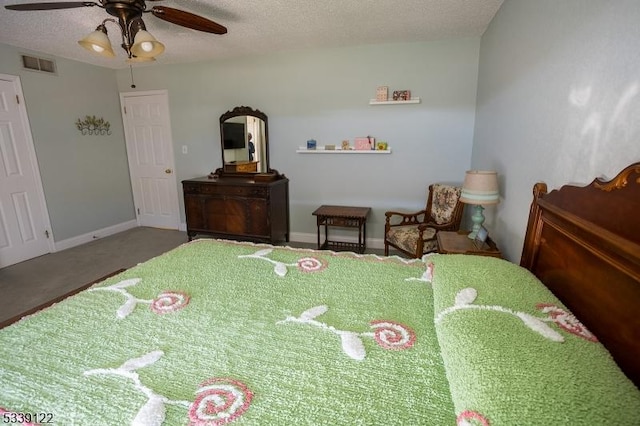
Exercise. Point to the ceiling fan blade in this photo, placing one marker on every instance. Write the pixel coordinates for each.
(186, 19)
(50, 6)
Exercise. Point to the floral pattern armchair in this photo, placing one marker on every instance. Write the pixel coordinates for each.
(414, 234)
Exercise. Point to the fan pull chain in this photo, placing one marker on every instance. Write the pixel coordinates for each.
(133, 86)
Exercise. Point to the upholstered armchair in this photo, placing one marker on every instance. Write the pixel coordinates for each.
(414, 234)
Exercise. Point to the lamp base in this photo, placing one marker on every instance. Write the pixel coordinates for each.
(478, 219)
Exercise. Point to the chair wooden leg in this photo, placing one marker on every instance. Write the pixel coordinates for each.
(386, 249)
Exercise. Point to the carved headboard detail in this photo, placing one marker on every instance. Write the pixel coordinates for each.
(584, 244)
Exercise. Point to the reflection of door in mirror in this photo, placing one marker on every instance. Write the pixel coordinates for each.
(255, 127)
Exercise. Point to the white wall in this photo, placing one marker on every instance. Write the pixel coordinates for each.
(557, 101)
(324, 95)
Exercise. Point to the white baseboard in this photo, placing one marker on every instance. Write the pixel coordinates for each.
(304, 237)
(90, 236)
(301, 237)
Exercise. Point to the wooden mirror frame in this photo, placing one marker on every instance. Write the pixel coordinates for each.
(240, 111)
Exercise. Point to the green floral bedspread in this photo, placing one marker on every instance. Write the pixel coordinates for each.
(514, 355)
(218, 332)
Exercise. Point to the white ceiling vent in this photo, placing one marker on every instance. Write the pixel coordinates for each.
(38, 64)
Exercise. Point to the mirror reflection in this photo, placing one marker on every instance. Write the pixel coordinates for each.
(244, 141)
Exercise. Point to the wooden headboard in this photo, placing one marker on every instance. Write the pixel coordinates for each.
(583, 243)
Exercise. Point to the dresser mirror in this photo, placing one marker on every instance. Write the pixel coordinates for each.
(244, 140)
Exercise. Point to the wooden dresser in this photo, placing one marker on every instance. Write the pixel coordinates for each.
(239, 208)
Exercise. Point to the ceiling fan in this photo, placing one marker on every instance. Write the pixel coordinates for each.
(136, 41)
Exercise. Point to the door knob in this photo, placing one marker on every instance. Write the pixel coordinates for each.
(168, 171)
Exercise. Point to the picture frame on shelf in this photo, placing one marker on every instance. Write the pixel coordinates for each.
(364, 143)
(381, 146)
(402, 95)
(382, 93)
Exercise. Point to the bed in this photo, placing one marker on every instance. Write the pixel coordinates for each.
(225, 332)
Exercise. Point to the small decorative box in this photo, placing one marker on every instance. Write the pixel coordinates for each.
(402, 95)
(311, 144)
(382, 93)
(330, 147)
(381, 146)
(364, 144)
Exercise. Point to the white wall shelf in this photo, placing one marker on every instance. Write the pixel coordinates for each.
(342, 151)
(410, 101)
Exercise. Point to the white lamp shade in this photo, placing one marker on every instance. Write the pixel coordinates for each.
(98, 43)
(146, 46)
(480, 187)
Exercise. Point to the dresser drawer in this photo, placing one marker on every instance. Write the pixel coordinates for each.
(234, 191)
(244, 166)
(246, 191)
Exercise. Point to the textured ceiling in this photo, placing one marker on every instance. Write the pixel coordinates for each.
(254, 26)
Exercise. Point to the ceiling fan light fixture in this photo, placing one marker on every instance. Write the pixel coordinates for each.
(136, 41)
(138, 59)
(98, 42)
(146, 46)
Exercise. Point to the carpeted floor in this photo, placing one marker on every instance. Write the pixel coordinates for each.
(28, 284)
(8, 321)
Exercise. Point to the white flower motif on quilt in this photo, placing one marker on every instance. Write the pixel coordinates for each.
(219, 400)
(166, 302)
(427, 275)
(387, 334)
(305, 264)
(465, 298)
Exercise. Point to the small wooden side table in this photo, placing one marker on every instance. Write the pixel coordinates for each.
(450, 242)
(346, 217)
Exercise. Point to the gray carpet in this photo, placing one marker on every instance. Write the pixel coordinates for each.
(28, 284)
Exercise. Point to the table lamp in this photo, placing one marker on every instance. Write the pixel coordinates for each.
(479, 188)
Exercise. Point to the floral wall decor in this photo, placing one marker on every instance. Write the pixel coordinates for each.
(93, 126)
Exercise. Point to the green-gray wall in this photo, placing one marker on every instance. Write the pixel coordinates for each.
(321, 94)
(557, 101)
(324, 95)
(85, 178)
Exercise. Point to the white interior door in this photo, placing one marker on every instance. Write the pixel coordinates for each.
(24, 220)
(151, 161)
